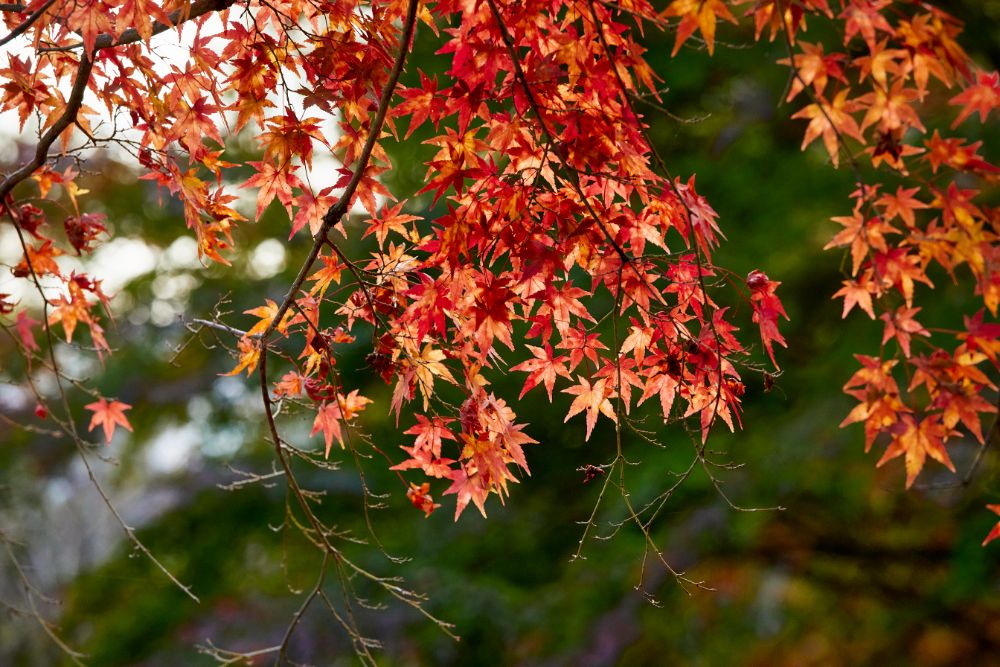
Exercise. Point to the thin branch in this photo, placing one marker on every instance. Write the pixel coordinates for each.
(239, 333)
(107, 40)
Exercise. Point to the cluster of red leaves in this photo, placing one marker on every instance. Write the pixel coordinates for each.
(549, 201)
(928, 223)
(867, 97)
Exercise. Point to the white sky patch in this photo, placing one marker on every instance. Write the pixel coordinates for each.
(13, 398)
(267, 259)
(181, 254)
(174, 287)
(120, 261)
(173, 448)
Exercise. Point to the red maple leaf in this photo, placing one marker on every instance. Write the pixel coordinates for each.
(995, 533)
(767, 308)
(982, 97)
(543, 368)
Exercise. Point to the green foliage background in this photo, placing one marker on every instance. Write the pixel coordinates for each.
(852, 571)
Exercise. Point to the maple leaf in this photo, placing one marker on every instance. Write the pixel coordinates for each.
(391, 220)
(82, 231)
(108, 415)
(40, 260)
(891, 108)
(543, 368)
(89, 20)
(421, 498)
(902, 204)
(899, 324)
(767, 308)
(427, 366)
(286, 137)
(880, 63)
(468, 486)
(860, 236)
(831, 120)
(856, 294)
(982, 97)
(865, 17)
(266, 314)
(813, 68)
(352, 404)
(327, 420)
(272, 183)
(964, 405)
(24, 324)
(328, 275)
(249, 356)
(420, 103)
(995, 533)
(916, 441)
(137, 14)
(594, 399)
(581, 344)
(71, 311)
(426, 450)
(290, 384)
(311, 209)
(955, 153)
(700, 15)
(430, 433)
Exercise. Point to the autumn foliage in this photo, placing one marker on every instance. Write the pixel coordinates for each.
(548, 226)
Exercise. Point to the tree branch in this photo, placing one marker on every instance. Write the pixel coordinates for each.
(27, 23)
(107, 40)
(64, 121)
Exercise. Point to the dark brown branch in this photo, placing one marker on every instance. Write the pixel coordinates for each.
(64, 121)
(27, 23)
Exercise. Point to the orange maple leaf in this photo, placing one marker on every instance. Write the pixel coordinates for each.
(249, 356)
(593, 398)
(700, 14)
(831, 120)
(108, 415)
(328, 421)
(266, 314)
(857, 294)
(917, 441)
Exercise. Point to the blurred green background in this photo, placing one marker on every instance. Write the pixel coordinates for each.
(853, 571)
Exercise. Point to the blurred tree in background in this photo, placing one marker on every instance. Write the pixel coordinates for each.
(850, 570)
